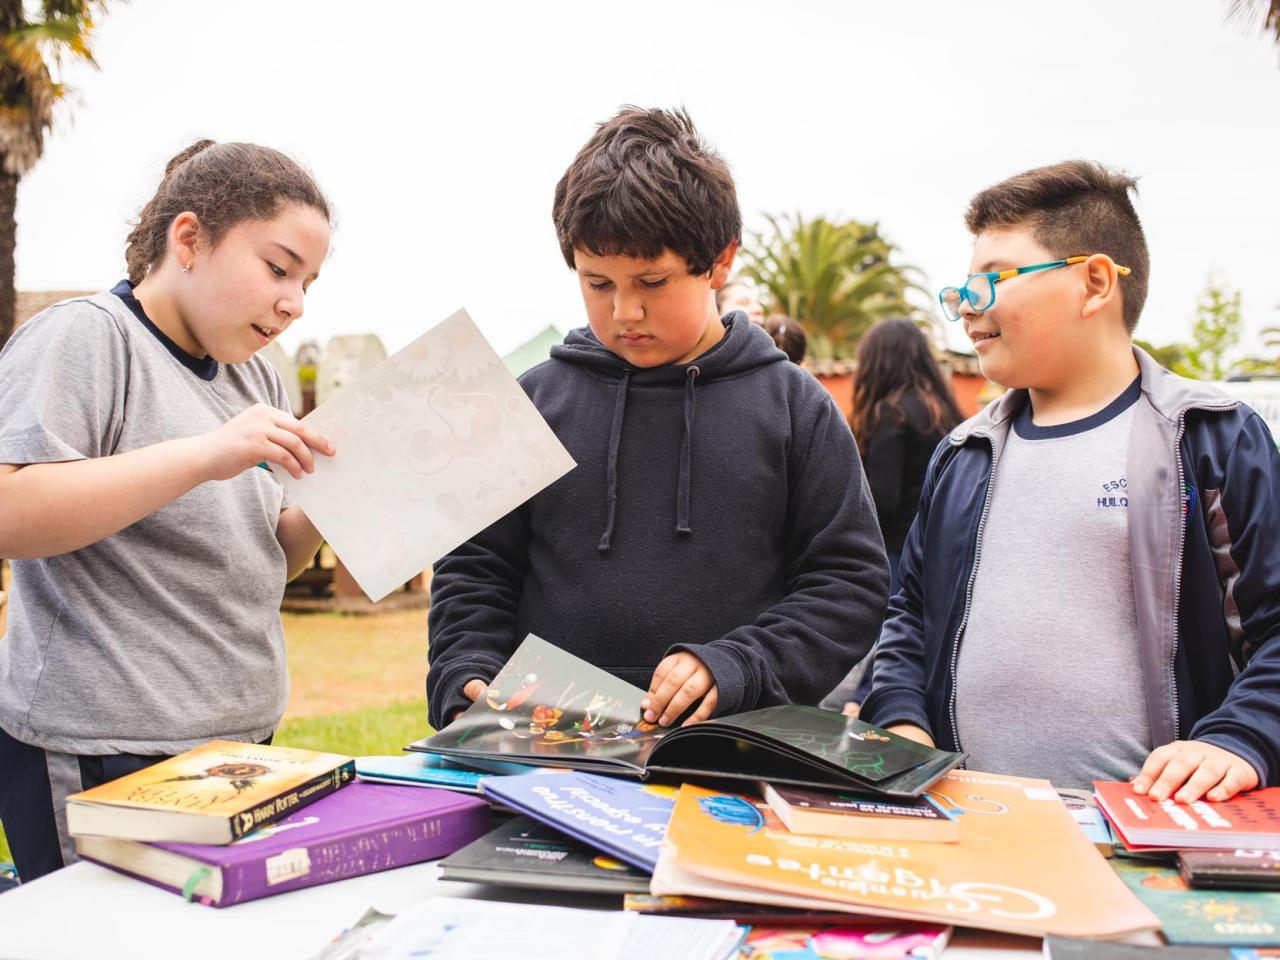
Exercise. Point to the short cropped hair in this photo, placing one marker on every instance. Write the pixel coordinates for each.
(1074, 208)
(647, 182)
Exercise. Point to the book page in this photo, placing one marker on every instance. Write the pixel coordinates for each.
(434, 444)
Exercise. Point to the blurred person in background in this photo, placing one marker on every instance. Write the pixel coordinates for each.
(902, 408)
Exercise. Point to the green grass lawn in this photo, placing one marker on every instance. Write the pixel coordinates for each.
(373, 730)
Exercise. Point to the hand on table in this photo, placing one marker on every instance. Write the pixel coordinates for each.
(1187, 770)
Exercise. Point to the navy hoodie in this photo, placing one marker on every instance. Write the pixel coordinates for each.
(718, 507)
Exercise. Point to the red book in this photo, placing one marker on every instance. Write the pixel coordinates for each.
(1248, 820)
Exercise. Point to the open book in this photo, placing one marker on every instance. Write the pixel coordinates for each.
(549, 708)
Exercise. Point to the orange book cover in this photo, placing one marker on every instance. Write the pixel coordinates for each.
(1022, 865)
(227, 780)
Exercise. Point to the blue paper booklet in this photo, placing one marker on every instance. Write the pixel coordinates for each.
(620, 817)
(433, 770)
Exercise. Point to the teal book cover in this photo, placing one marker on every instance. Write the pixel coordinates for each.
(1208, 917)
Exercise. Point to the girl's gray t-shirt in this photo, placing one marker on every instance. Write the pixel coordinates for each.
(166, 634)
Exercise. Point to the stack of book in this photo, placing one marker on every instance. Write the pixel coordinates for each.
(782, 817)
(230, 822)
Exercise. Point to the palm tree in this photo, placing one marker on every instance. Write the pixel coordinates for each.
(836, 278)
(1264, 13)
(35, 40)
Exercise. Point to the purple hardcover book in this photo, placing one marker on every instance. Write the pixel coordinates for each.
(362, 828)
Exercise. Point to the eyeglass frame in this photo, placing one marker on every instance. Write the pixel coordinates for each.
(994, 277)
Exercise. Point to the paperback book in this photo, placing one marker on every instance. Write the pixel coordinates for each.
(828, 814)
(1212, 917)
(433, 770)
(1231, 869)
(1249, 820)
(901, 941)
(212, 794)
(1021, 864)
(363, 828)
(525, 853)
(620, 817)
(547, 707)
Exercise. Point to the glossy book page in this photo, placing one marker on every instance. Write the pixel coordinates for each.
(547, 706)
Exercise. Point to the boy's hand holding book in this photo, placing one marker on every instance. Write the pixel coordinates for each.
(678, 682)
(1190, 769)
(471, 690)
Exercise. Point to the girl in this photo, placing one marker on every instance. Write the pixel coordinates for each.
(902, 408)
(149, 554)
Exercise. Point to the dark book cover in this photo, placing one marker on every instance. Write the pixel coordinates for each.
(547, 707)
(525, 853)
(361, 829)
(1231, 869)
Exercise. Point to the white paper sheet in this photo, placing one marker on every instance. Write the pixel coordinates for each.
(434, 444)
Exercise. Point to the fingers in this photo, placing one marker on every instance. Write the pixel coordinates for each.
(666, 682)
(1152, 768)
(473, 689)
(1208, 774)
(293, 443)
(705, 709)
(851, 709)
(1240, 776)
(697, 685)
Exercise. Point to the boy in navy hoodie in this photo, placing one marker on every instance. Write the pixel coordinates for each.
(716, 544)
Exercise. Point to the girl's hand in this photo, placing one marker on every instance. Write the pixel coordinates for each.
(262, 434)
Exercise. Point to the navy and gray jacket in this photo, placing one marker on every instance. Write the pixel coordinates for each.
(718, 507)
(1204, 538)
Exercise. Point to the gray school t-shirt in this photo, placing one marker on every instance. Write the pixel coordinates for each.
(1048, 675)
(167, 633)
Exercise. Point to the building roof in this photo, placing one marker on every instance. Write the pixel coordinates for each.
(533, 352)
(31, 302)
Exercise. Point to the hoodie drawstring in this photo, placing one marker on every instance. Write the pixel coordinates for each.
(611, 472)
(686, 459)
(686, 447)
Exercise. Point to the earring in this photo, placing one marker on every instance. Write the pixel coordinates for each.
(186, 268)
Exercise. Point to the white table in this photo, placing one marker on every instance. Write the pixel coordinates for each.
(86, 912)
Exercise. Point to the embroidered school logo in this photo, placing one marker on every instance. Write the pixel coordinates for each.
(1115, 493)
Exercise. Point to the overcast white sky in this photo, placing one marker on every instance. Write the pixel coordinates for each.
(439, 131)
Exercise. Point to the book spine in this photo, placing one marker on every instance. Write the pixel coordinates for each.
(367, 851)
(290, 801)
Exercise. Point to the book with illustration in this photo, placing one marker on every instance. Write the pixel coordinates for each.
(829, 814)
(525, 853)
(433, 770)
(883, 941)
(1231, 869)
(213, 794)
(1210, 917)
(548, 707)
(1248, 820)
(620, 817)
(1021, 864)
(361, 829)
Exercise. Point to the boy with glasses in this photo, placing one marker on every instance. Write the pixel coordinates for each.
(1092, 586)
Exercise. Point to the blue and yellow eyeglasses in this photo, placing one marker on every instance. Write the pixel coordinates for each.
(979, 291)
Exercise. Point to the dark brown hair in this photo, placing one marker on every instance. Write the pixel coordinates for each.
(1074, 208)
(647, 182)
(224, 184)
(894, 361)
(788, 334)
